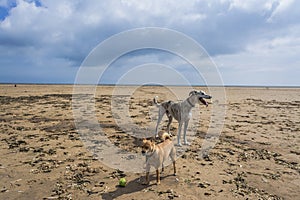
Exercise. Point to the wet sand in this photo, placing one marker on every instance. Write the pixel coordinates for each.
(43, 156)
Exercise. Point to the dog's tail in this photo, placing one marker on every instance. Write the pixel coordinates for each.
(155, 101)
(165, 136)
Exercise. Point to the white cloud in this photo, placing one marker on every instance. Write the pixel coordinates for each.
(240, 34)
(265, 62)
(281, 7)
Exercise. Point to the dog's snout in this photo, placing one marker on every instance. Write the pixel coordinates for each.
(209, 97)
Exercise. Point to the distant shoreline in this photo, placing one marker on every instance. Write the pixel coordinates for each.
(150, 85)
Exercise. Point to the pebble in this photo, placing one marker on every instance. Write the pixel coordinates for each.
(264, 180)
(207, 194)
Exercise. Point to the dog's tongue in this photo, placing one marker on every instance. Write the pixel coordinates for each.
(203, 101)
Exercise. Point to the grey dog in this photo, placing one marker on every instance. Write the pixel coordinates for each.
(181, 111)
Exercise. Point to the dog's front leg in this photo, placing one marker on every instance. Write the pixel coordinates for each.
(169, 123)
(161, 113)
(186, 123)
(147, 175)
(147, 179)
(179, 134)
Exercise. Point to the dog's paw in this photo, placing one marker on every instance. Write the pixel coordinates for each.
(158, 183)
(145, 183)
(187, 143)
(178, 145)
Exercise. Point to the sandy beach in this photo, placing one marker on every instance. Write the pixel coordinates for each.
(44, 157)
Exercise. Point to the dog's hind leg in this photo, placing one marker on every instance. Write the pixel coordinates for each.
(173, 158)
(174, 166)
(157, 177)
(179, 134)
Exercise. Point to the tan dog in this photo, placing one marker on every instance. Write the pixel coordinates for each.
(157, 154)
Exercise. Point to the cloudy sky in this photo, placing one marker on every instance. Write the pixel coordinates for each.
(252, 42)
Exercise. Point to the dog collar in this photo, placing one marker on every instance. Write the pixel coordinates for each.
(188, 100)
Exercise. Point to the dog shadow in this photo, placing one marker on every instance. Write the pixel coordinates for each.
(132, 187)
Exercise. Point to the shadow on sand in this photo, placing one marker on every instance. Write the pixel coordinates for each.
(131, 187)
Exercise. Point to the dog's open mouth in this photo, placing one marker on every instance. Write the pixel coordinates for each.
(203, 101)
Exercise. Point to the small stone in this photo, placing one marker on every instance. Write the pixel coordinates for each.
(264, 180)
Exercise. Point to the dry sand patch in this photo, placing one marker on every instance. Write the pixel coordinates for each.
(43, 156)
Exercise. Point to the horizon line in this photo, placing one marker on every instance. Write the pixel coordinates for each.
(158, 85)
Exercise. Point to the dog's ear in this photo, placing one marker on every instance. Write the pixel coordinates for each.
(193, 92)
